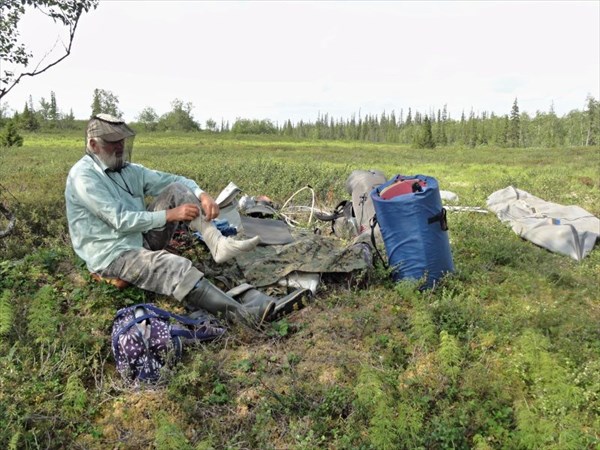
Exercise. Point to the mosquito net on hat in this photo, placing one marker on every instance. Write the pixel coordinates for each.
(111, 129)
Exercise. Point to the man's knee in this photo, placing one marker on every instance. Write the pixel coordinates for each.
(173, 195)
(176, 192)
(177, 188)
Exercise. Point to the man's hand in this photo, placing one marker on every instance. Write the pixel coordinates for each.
(183, 213)
(209, 206)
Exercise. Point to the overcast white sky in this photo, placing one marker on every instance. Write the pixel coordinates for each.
(278, 60)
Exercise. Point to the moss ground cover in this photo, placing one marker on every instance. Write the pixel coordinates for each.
(505, 354)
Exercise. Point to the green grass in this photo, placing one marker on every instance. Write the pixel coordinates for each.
(504, 355)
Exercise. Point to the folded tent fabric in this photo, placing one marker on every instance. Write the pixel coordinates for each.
(567, 230)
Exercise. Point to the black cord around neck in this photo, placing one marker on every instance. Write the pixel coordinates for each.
(124, 189)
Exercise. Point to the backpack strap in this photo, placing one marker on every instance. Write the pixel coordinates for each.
(338, 212)
(373, 224)
(169, 315)
(128, 325)
(203, 331)
(344, 209)
(203, 328)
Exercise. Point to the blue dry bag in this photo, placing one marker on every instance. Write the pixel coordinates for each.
(413, 226)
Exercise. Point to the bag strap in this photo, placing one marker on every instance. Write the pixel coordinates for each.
(163, 314)
(373, 223)
(131, 308)
(361, 210)
(201, 330)
(441, 218)
(156, 312)
(128, 325)
(202, 334)
(345, 209)
(338, 212)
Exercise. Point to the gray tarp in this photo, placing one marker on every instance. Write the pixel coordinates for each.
(568, 230)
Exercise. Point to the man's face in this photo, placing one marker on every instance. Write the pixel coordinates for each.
(110, 153)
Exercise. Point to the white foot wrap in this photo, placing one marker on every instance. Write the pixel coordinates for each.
(222, 248)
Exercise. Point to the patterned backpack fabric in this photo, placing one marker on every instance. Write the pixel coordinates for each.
(146, 338)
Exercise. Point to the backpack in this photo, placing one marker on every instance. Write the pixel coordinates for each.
(146, 338)
(359, 185)
(351, 218)
(343, 220)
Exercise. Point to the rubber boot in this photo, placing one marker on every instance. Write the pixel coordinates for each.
(221, 248)
(294, 301)
(210, 298)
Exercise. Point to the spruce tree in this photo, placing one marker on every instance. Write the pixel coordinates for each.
(68, 121)
(53, 111)
(482, 129)
(514, 133)
(96, 103)
(551, 129)
(424, 138)
(593, 121)
(10, 136)
(472, 130)
(392, 130)
(27, 120)
(418, 118)
(463, 129)
(44, 111)
(443, 136)
(30, 104)
(438, 128)
(505, 131)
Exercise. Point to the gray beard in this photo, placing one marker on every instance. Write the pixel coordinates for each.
(111, 160)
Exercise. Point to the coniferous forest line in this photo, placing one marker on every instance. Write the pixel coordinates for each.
(421, 130)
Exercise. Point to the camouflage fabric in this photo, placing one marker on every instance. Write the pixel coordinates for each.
(309, 252)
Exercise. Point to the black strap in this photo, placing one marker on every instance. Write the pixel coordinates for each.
(373, 224)
(166, 315)
(441, 218)
(201, 334)
(416, 187)
(337, 212)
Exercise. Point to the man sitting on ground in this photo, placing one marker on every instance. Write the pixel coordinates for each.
(118, 236)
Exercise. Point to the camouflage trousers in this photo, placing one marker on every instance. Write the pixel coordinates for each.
(152, 268)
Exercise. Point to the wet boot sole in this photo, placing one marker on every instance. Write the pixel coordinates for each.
(291, 303)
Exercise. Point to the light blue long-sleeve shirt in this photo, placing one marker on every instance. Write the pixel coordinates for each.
(107, 212)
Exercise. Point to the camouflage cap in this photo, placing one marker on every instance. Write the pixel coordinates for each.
(108, 127)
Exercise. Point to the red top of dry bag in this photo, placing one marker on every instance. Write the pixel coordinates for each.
(402, 187)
